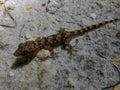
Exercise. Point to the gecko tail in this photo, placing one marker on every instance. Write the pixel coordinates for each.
(93, 27)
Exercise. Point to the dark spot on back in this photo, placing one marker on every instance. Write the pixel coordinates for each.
(94, 26)
(101, 24)
(111, 21)
(107, 21)
(87, 28)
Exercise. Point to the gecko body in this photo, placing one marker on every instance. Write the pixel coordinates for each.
(62, 38)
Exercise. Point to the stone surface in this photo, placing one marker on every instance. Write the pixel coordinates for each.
(1, 28)
(46, 72)
(89, 68)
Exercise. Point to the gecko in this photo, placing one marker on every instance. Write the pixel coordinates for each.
(29, 49)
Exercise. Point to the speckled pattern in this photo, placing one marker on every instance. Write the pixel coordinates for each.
(89, 68)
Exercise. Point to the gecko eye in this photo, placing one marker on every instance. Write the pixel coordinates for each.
(24, 52)
(20, 49)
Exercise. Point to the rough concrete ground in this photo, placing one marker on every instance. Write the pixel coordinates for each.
(89, 69)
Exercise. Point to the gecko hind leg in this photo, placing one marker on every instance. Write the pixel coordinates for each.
(68, 47)
(54, 55)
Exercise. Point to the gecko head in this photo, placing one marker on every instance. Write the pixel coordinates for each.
(27, 49)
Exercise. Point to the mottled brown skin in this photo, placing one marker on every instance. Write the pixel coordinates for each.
(26, 49)
(29, 49)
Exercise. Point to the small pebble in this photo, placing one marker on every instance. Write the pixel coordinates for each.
(93, 15)
(11, 74)
(10, 5)
(42, 54)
